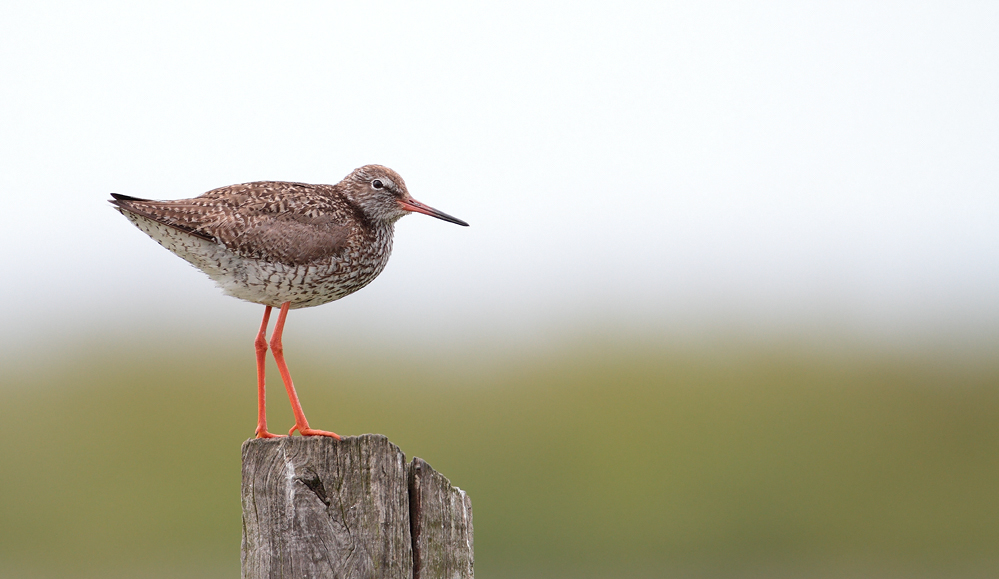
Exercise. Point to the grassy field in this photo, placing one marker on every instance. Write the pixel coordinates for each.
(632, 460)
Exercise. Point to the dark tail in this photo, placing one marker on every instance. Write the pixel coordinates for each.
(120, 197)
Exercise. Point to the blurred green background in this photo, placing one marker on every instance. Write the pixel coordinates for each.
(596, 458)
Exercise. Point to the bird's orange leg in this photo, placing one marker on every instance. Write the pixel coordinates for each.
(260, 344)
(301, 424)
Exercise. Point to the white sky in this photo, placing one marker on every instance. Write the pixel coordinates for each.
(656, 165)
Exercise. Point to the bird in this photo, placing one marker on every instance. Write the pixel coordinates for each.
(284, 245)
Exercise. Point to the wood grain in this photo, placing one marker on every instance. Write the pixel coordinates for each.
(315, 507)
(441, 525)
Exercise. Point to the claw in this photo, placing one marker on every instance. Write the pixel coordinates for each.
(314, 432)
(265, 434)
(306, 431)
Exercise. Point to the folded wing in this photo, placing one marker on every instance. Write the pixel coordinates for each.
(254, 220)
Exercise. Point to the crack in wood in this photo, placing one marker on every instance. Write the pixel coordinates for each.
(312, 481)
(415, 511)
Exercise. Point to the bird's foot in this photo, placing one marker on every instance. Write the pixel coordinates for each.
(262, 433)
(306, 431)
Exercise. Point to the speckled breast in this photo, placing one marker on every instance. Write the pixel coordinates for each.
(305, 285)
(274, 283)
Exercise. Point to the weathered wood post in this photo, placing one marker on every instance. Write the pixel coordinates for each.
(350, 509)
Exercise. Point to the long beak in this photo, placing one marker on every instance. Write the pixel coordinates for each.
(414, 205)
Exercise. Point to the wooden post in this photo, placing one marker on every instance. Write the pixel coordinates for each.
(318, 508)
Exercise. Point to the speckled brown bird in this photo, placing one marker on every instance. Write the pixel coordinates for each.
(284, 245)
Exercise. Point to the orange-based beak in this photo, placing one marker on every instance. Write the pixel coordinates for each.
(414, 205)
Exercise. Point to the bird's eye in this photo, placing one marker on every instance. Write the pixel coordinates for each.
(377, 184)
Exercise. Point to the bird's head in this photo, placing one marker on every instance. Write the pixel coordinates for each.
(381, 194)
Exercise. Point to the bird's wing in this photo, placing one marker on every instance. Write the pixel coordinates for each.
(254, 220)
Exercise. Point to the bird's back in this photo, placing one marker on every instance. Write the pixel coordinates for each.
(270, 242)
